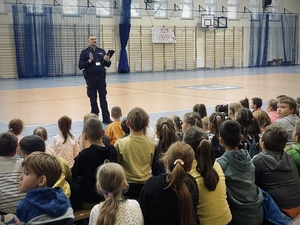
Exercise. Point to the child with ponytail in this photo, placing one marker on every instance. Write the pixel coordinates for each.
(215, 120)
(172, 198)
(213, 207)
(114, 210)
(166, 135)
(191, 119)
(65, 143)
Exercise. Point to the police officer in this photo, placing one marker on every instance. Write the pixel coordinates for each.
(93, 61)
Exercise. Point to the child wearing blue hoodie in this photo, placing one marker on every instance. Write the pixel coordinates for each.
(42, 204)
(243, 196)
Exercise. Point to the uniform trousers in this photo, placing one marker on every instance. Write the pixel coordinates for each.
(96, 84)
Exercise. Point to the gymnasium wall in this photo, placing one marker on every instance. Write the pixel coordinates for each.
(194, 48)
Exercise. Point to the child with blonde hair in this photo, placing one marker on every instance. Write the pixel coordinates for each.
(115, 209)
(36, 143)
(205, 123)
(65, 143)
(42, 204)
(42, 132)
(263, 119)
(286, 107)
(233, 108)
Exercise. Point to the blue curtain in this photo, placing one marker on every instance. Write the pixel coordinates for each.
(273, 40)
(290, 38)
(34, 41)
(124, 31)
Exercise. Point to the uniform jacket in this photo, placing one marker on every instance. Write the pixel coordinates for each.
(93, 68)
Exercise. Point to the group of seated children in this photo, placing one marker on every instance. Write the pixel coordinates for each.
(29, 184)
(222, 173)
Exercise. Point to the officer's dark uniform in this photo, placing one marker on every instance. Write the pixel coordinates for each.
(95, 75)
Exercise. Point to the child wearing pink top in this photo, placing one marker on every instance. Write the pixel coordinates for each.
(272, 110)
(256, 104)
(65, 143)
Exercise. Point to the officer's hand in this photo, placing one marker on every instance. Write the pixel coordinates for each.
(91, 58)
(106, 58)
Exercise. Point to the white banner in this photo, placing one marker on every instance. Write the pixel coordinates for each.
(162, 35)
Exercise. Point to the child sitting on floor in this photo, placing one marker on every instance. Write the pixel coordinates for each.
(286, 107)
(243, 196)
(135, 152)
(172, 197)
(111, 183)
(256, 104)
(9, 173)
(276, 172)
(84, 194)
(35, 143)
(16, 127)
(65, 143)
(42, 204)
(114, 130)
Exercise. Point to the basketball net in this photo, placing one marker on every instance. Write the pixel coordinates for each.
(211, 28)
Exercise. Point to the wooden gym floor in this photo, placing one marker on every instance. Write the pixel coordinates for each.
(42, 101)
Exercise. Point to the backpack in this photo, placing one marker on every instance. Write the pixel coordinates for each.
(253, 150)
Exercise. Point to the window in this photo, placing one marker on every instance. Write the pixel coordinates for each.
(275, 9)
(103, 8)
(160, 9)
(2, 6)
(135, 8)
(210, 7)
(187, 8)
(233, 8)
(70, 7)
(34, 6)
(254, 7)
